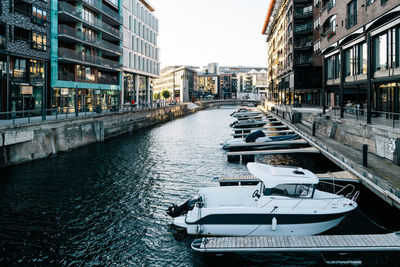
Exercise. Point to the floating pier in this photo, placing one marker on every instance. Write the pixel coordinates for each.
(266, 132)
(261, 128)
(271, 143)
(248, 156)
(318, 243)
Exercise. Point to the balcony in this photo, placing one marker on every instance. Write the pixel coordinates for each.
(98, 5)
(84, 59)
(302, 13)
(64, 30)
(303, 60)
(71, 11)
(303, 44)
(328, 6)
(351, 21)
(329, 33)
(303, 28)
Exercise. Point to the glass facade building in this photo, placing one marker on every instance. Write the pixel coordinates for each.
(86, 54)
(140, 51)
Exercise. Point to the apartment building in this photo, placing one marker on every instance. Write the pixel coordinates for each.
(140, 51)
(360, 44)
(294, 70)
(86, 64)
(207, 85)
(180, 81)
(24, 56)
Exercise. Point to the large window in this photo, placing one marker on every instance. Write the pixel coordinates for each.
(395, 47)
(36, 69)
(39, 16)
(39, 41)
(380, 51)
(333, 67)
(361, 55)
(88, 15)
(19, 68)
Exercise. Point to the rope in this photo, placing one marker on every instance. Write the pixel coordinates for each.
(275, 207)
(375, 223)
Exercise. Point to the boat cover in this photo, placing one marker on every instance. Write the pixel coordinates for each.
(272, 176)
(254, 135)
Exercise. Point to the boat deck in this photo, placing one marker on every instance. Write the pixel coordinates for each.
(322, 243)
(266, 132)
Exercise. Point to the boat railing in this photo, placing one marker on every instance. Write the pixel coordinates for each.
(342, 188)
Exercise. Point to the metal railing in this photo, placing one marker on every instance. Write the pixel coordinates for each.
(23, 117)
(65, 53)
(104, 9)
(390, 119)
(72, 11)
(95, 40)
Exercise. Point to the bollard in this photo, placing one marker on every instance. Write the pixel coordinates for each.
(313, 129)
(365, 155)
(396, 154)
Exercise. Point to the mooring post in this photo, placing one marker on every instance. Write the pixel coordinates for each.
(365, 155)
(313, 129)
(396, 154)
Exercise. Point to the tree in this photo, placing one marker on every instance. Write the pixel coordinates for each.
(166, 94)
(156, 96)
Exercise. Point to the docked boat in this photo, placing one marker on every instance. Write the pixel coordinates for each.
(258, 140)
(244, 112)
(278, 201)
(251, 123)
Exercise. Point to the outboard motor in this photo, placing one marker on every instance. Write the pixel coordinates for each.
(176, 211)
(254, 135)
(233, 123)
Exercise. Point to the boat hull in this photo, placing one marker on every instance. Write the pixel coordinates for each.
(268, 229)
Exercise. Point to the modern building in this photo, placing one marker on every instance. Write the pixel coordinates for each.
(252, 84)
(207, 85)
(180, 81)
(86, 62)
(360, 44)
(225, 85)
(140, 51)
(294, 70)
(24, 55)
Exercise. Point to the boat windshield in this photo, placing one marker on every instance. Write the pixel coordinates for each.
(290, 190)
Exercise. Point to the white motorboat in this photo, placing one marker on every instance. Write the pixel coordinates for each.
(258, 137)
(283, 202)
(251, 123)
(245, 113)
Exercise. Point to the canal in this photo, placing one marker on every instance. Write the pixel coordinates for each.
(105, 204)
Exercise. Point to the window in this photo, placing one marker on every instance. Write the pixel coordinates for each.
(380, 45)
(130, 23)
(39, 16)
(88, 15)
(333, 67)
(395, 47)
(349, 61)
(361, 55)
(317, 46)
(39, 41)
(130, 60)
(369, 2)
(351, 18)
(133, 43)
(36, 69)
(19, 70)
(317, 22)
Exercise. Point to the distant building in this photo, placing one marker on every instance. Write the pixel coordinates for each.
(238, 69)
(213, 68)
(140, 51)
(207, 85)
(294, 70)
(225, 85)
(181, 81)
(24, 55)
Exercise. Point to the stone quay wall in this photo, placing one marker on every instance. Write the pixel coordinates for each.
(23, 143)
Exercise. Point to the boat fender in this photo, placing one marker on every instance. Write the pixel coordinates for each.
(274, 224)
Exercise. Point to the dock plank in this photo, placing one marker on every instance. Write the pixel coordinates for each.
(276, 151)
(288, 142)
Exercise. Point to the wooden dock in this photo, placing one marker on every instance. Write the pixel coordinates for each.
(271, 143)
(249, 156)
(318, 243)
(266, 132)
(262, 128)
(343, 176)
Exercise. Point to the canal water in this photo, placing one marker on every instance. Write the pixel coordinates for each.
(105, 204)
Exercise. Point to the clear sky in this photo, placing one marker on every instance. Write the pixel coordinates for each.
(197, 32)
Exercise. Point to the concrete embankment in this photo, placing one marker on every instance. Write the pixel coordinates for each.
(22, 143)
(342, 140)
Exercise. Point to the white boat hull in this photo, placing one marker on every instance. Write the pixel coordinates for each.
(262, 230)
